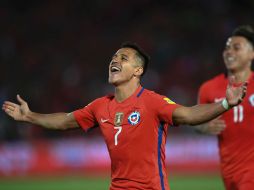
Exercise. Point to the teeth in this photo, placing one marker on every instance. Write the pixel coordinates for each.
(114, 68)
(230, 59)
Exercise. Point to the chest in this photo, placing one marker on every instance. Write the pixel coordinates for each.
(122, 125)
(241, 114)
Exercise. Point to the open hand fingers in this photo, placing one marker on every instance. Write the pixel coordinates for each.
(20, 100)
(7, 103)
(244, 87)
(244, 90)
(216, 126)
(231, 80)
(218, 120)
(8, 108)
(217, 129)
(219, 125)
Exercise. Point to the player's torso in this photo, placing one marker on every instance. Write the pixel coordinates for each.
(122, 123)
(239, 116)
(130, 130)
(236, 141)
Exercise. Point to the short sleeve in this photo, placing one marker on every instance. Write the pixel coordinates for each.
(85, 116)
(164, 108)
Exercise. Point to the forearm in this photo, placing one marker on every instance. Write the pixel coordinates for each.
(205, 112)
(52, 121)
(198, 114)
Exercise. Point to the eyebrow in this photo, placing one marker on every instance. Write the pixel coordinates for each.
(233, 44)
(123, 55)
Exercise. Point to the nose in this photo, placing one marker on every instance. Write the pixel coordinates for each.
(228, 51)
(113, 62)
(115, 59)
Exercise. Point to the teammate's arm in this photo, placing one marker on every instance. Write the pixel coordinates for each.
(205, 112)
(213, 127)
(21, 112)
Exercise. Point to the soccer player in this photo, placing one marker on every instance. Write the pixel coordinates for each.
(235, 128)
(133, 121)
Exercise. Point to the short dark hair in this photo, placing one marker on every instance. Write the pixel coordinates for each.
(245, 31)
(140, 53)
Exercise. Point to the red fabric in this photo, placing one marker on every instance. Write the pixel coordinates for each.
(241, 181)
(135, 163)
(237, 140)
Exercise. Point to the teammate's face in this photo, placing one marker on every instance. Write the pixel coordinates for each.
(123, 66)
(238, 54)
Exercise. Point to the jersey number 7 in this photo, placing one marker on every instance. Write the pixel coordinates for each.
(117, 133)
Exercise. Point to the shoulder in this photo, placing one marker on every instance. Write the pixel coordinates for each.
(101, 101)
(154, 98)
(105, 98)
(215, 87)
(214, 82)
(149, 94)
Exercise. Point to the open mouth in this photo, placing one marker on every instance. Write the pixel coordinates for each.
(230, 59)
(115, 69)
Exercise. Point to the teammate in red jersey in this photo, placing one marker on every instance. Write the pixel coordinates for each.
(133, 121)
(235, 128)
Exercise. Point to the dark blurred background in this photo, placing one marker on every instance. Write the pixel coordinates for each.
(55, 53)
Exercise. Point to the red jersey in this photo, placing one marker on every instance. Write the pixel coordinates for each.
(135, 132)
(236, 142)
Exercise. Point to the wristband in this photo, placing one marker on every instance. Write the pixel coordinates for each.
(224, 104)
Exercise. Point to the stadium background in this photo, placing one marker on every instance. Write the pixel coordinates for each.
(55, 54)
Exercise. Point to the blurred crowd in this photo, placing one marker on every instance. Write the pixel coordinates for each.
(55, 54)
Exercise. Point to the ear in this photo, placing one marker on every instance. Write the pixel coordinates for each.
(138, 71)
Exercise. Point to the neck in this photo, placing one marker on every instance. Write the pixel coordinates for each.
(241, 76)
(124, 91)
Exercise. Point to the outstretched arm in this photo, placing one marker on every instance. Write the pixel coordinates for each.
(198, 114)
(205, 112)
(21, 112)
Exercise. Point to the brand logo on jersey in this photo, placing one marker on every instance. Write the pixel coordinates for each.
(251, 99)
(118, 118)
(169, 101)
(219, 99)
(104, 120)
(134, 118)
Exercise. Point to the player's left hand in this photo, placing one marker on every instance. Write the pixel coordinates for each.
(235, 94)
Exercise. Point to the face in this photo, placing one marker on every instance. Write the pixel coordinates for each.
(238, 54)
(123, 67)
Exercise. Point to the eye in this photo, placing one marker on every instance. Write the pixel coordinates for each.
(237, 48)
(227, 48)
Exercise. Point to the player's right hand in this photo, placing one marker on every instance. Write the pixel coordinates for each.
(18, 112)
(215, 127)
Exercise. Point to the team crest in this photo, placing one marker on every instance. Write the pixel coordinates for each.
(134, 118)
(168, 101)
(118, 118)
(251, 99)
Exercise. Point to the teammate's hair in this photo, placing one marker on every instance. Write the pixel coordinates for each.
(141, 54)
(246, 31)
